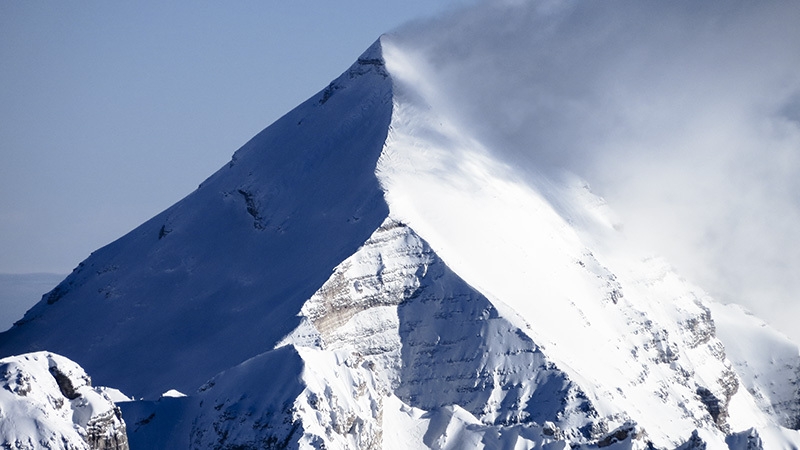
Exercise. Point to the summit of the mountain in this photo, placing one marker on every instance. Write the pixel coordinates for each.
(220, 276)
(366, 273)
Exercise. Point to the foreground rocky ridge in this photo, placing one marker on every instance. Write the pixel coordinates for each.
(47, 401)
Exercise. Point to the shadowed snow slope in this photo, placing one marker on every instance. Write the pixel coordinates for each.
(220, 276)
(366, 274)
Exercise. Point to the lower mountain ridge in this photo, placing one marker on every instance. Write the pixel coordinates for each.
(47, 401)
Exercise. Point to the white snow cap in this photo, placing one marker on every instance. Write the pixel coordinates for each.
(415, 254)
(47, 400)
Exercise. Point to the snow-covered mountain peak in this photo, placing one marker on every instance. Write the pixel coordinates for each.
(367, 273)
(542, 247)
(220, 276)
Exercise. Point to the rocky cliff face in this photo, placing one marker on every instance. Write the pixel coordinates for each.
(433, 341)
(396, 337)
(47, 401)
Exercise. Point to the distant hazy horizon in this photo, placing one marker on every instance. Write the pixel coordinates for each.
(18, 292)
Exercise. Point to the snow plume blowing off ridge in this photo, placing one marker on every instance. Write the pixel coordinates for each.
(684, 115)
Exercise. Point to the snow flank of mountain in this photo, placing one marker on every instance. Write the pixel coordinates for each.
(768, 363)
(367, 273)
(220, 276)
(685, 116)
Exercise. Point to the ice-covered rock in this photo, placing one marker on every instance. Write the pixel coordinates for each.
(47, 401)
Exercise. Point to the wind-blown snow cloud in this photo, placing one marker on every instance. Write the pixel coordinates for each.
(684, 115)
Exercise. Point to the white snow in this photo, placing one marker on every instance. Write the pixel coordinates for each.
(366, 273)
(534, 242)
(174, 393)
(35, 411)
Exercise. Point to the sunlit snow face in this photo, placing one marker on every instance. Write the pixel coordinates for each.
(685, 116)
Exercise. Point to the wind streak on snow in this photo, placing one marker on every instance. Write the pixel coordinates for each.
(637, 338)
(684, 115)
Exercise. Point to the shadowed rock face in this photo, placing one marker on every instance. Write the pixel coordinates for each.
(65, 383)
(251, 422)
(435, 340)
(695, 442)
(745, 440)
(104, 432)
(392, 322)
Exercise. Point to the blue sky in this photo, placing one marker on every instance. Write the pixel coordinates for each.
(113, 111)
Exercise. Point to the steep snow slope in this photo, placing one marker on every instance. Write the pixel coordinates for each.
(392, 333)
(396, 348)
(637, 339)
(47, 401)
(432, 339)
(220, 276)
(767, 362)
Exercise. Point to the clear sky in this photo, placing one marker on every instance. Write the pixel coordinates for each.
(112, 111)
